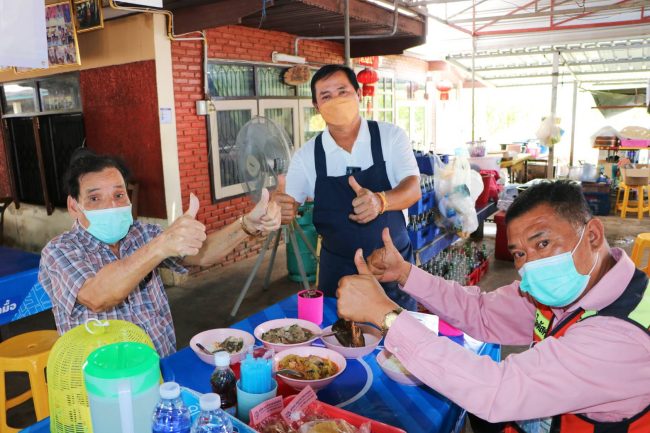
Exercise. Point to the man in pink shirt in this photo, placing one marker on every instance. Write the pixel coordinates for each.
(582, 306)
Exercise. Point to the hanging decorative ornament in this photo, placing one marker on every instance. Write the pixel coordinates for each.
(444, 86)
(368, 77)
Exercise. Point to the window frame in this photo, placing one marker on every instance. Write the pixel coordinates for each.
(257, 104)
(39, 111)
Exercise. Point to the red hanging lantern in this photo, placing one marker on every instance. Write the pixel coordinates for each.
(368, 78)
(444, 86)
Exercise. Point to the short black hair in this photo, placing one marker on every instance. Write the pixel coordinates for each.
(84, 161)
(329, 70)
(564, 196)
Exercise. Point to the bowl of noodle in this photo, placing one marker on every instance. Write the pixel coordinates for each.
(319, 366)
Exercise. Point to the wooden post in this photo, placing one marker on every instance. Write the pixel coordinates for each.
(41, 165)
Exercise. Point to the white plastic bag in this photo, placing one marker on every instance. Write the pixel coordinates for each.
(549, 133)
(456, 191)
(605, 131)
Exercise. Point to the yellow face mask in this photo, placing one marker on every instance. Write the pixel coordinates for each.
(339, 111)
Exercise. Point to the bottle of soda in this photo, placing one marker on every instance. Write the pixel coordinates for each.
(171, 415)
(224, 382)
(211, 419)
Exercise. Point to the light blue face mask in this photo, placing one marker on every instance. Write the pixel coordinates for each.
(109, 225)
(554, 281)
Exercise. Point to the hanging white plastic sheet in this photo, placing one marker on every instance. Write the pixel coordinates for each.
(22, 28)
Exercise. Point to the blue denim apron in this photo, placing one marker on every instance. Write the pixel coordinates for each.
(341, 236)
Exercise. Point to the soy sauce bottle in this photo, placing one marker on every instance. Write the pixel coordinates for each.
(224, 382)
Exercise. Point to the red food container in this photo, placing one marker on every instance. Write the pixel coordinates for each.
(352, 418)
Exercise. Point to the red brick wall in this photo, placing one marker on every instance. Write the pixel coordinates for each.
(120, 105)
(232, 43)
(410, 65)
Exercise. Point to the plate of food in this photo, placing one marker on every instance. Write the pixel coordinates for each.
(394, 369)
(350, 339)
(233, 341)
(307, 365)
(281, 334)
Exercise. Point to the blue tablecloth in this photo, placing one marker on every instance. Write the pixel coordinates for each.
(362, 388)
(20, 293)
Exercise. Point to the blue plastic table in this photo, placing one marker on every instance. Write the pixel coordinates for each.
(20, 293)
(362, 388)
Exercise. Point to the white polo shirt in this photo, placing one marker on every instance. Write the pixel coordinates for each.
(400, 161)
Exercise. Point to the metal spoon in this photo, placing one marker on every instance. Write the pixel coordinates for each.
(206, 351)
(290, 372)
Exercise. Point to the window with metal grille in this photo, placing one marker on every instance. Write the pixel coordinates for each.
(241, 91)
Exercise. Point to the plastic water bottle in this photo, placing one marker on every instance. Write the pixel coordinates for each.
(224, 382)
(171, 415)
(211, 419)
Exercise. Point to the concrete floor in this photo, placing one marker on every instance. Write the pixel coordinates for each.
(205, 300)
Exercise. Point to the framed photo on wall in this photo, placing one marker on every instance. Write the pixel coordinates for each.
(88, 14)
(62, 47)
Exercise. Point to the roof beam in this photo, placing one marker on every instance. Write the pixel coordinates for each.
(643, 20)
(567, 64)
(643, 43)
(577, 73)
(205, 16)
(540, 13)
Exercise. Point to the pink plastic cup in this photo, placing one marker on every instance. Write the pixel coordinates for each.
(445, 328)
(310, 308)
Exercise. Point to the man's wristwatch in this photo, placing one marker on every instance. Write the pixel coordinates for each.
(389, 318)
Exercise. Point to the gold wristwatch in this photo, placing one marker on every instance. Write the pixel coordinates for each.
(389, 318)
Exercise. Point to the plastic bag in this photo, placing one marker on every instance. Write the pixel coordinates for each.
(549, 133)
(309, 419)
(456, 191)
(635, 132)
(605, 131)
(333, 426)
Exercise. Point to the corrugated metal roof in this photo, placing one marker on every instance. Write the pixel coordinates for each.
(612, 63)
(538, 28)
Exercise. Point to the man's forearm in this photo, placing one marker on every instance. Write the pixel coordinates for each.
(404, 194)
(113, 283)
(218, 245)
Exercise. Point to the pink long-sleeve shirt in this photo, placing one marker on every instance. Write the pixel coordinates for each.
(599, 368)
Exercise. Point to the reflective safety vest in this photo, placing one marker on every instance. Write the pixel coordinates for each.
(632, 306)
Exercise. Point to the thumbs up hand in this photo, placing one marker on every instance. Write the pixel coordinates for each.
(360, 297)
(265, 216)
(193, 208)
(186, 235)
(367, 204)
(387, 264)
(284, 201)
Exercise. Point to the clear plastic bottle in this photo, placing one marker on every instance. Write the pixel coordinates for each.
(171, 415)
(212, 419)
(224, 382)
